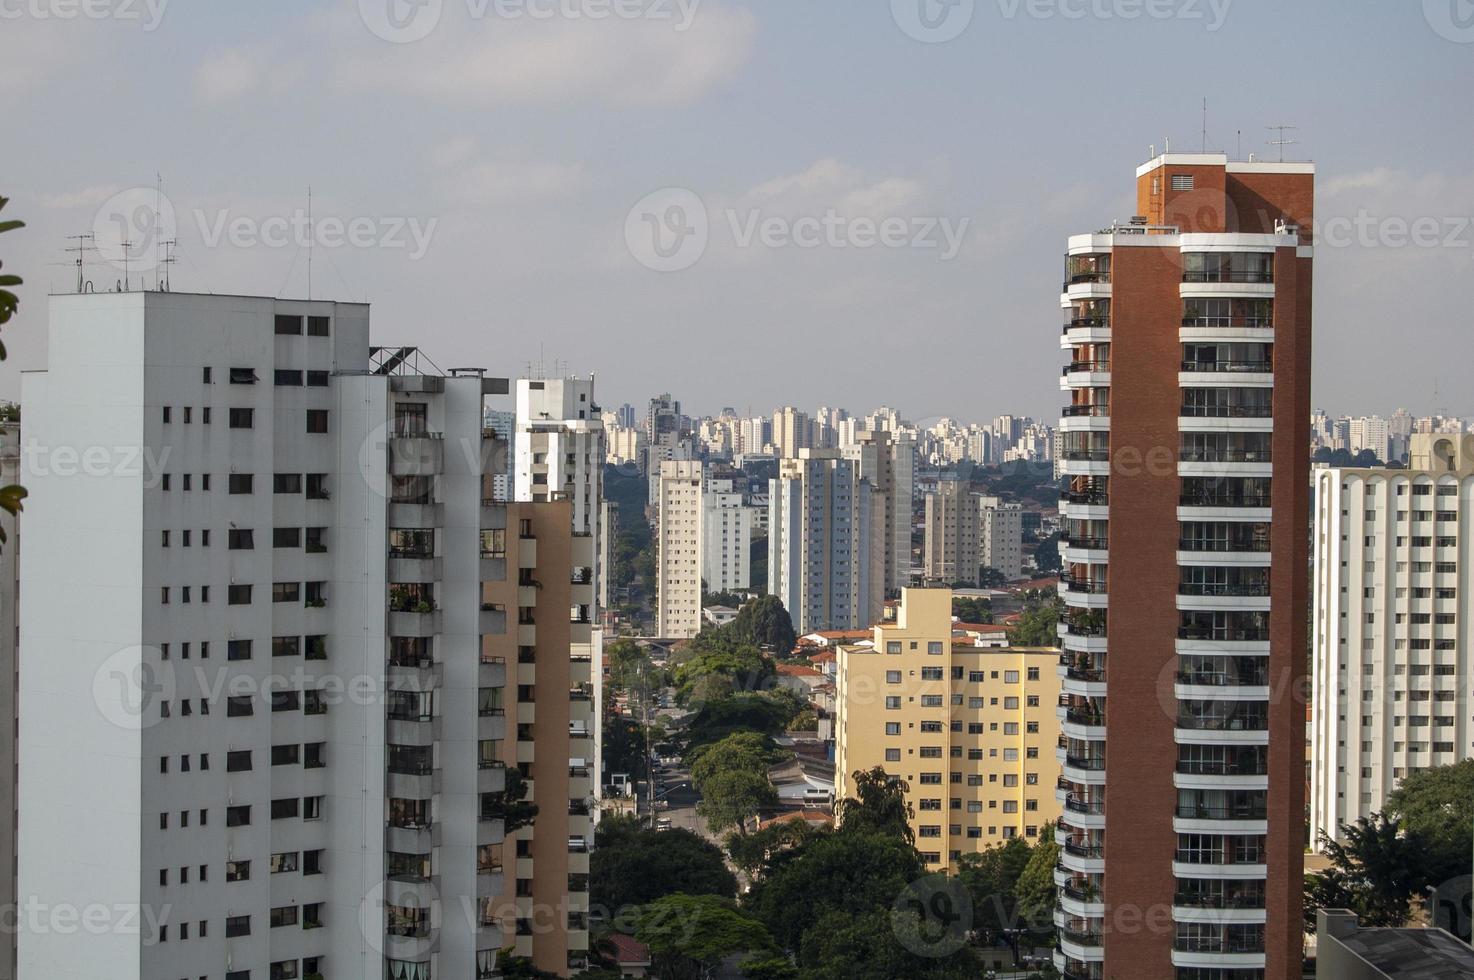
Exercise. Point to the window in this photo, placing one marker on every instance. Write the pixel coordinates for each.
(286, 537)
(892, 755)
(285, 808)
(241, 539)
(240, 706)
(286, 483)
(284, 862)
(317, 420)
(205, 376)
(242, 418)
(237, 870)
(317, 326)
(166, 414)
(238, 761)
(1182, 182)
(893, 728)
(286, 755)
(286, 591)
(240, 483)
(317, 486)
(285, 646)
(285, 915)
(238, 816)
(238, 650)
(285, 378)
(317, 379)
(287, 324)
(243, 376)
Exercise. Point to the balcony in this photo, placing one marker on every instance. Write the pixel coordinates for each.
(1091, 498)
(416, 453)
(1084, 543)
(1220, 546)
(1228, 367)
(1224, 500)
(1085, 411)
(1225, 456)
(1087, 323)
(1085, 278)
(419, 621)
(1206, 900)
(1198, 811)
(1227, 411)
(1085, 586)
(1252, 677)
(1229, 275)
(1228, 322)
(493, 620)
(1211, 634)
(1249, 722)
(1235, 589)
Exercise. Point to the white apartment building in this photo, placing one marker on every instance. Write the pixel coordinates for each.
(1001, 536)
(560, 447)
(726, 537)
(1392, 658)
(274, 743)
(887, 461)
(679, 559)
(826, 546)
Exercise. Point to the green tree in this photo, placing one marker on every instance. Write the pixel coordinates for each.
(690, 935)
(632, 864)
(991, 876)
(624, 746)
(741, 666)
(1046, 555)
(510, 966)
(1037, 624)
(968, 609)
(1438, 805)
(511, 805)
(752, 853)
(1036, 888)
(765, 623)
(12, 495)
(717, 718)
(1376, 870)
(867, 947)
(731, 796)
(739, 751)
(879, 806)
(850, 872)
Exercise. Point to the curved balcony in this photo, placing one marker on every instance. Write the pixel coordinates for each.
(1084, 725)
(1091, 594)
(1086, 330)
(1084, 771)
(1083, 946)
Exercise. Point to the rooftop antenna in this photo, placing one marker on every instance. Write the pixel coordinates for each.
(85, 244)
(1205, 125)
(127, 247)
(1239, 150)
(1282, 142)
(158, 209)
(310, 236)
(167, 260)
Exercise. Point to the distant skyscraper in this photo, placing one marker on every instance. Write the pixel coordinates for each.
(1187, 503)
(726, 531)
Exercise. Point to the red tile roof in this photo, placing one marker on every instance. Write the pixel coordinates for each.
(798, 670)
(628, 949)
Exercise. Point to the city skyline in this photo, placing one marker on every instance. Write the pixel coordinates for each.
(497, 221)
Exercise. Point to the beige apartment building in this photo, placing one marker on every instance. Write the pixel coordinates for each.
(972, 730)
(678, 560)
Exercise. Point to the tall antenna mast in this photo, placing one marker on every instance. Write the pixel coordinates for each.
(167, 260)
(310, 237)
(83, 246)
(1282, 142)
(1205, 125)
(127, 247)
(159, 250)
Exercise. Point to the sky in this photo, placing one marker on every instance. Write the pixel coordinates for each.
(747, 204)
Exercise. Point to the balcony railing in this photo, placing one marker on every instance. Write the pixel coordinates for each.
(1225, 500)
(1086, 277)
(1080, 541)
(1217, 678)
(1216, 858)
(1093, 807)
(1228, 367)
(1085, 716)
(1218, 944)
(1228, 275)
(1192, 811)
(1077, 367)
(1231, 322)
(1241, 589)
(1089, 764)
(1087, 323)
(1245, 723)
(1227, 412)
(1222, 635)
(1193, 900)
(1086, 411)
(1083, 585)
(1225, 456)
(1220, 767)
(1084, 850)
(1080, 938)
(1219, 546)
(1099, 497)
(1086, 455)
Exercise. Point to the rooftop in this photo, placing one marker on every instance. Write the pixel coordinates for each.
(1413, 954)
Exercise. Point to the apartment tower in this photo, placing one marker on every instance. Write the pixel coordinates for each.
(678, 560)
(971, 729)
(275, 722)
(1392, 663)
(1185, 577)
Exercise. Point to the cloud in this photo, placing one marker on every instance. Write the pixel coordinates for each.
(228, 75)
(499, 183)
(828, 183)
(87, 197)
(489, 61)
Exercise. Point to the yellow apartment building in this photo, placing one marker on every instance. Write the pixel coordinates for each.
(972, 730)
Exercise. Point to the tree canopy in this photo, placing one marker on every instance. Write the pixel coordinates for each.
(690, 935)
(632, 865)
(1037, 624)
(765, 623)
(879, 806)
(1376, 870)
(1438, 805)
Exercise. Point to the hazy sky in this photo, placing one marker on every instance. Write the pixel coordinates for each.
(883, 189)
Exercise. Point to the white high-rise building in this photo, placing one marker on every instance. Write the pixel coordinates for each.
(826, 555)
(1394, 597)
(726, 533)
(678, 559)
(1001, 537)
(269, 732)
